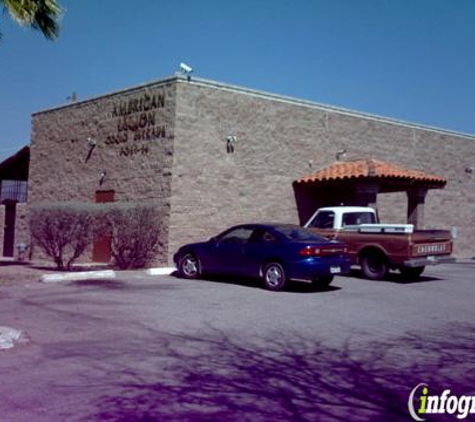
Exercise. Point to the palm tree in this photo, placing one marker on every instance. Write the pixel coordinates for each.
(42, 15)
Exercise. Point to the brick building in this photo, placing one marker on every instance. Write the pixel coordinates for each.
(210, 155)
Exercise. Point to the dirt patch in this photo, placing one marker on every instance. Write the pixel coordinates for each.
(12, 272)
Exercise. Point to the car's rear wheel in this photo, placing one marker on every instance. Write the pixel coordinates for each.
(274, 276)
(411, 273)
(323, 281)
(374, 265)
(189, 266)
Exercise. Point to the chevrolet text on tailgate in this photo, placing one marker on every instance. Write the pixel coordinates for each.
(376, 247)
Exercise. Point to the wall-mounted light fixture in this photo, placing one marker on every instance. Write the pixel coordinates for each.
(102, 177)
(230, 143)
(340, 154)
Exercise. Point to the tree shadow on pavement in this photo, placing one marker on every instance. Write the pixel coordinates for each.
(214, 377)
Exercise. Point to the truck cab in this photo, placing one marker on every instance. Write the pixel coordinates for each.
(336, 218)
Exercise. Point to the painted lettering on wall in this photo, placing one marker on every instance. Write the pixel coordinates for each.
(137, 122)
(146, 102)
(131, 150)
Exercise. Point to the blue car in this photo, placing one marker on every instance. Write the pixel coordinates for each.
(276, 253)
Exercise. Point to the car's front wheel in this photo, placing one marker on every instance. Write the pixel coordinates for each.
(189, 266)
(274, 277)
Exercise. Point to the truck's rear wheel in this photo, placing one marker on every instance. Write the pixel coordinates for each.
(411, 273)
(374, 265)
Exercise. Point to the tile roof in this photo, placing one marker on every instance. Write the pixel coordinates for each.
(369, 169)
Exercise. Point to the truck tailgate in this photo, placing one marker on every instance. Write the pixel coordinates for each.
(431, 242)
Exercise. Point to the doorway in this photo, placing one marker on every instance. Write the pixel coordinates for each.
(101, 249)
(9, 229)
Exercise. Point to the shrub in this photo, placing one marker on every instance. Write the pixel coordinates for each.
(63, 231)
(134, 231)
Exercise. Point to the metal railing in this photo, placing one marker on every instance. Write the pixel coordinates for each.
(13, 190)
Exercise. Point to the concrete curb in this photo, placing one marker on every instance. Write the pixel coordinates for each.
(102, 274)
(161, 271)
(8, 337)
(74, 276)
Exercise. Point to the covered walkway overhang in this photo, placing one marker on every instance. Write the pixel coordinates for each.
(359, 182)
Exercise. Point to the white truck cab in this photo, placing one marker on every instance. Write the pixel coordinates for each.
(361, 219)
(338, 217)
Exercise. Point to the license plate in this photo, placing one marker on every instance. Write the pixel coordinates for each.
(335, 270)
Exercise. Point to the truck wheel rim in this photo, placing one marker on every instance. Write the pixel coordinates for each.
(374, 265)
(274, 276)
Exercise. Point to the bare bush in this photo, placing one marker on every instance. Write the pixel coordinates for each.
(63, 231)
(134, 231)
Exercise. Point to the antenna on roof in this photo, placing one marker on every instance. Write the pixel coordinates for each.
(73, 97)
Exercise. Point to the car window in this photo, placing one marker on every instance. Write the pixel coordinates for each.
(357, 218)
(297, 233)
(262, 236)
(236, 236)
(268, 237)
(323, 220)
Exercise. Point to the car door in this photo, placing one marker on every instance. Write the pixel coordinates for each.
(259, 247)
(228, 256)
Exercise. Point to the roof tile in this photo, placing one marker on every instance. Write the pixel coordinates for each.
(369, 168)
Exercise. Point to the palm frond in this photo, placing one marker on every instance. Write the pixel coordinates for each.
(42, 15)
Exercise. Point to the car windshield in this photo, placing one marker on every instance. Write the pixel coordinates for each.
(323, 220)
(298, 233)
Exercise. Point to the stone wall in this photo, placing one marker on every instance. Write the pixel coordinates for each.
(202, 187)
(280, 140)
(121, 142)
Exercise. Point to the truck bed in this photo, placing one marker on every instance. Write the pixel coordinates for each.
(397, 246)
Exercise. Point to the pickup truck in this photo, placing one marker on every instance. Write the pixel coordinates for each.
(376, 247)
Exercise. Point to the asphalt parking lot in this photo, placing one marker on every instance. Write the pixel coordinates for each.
(141, 348)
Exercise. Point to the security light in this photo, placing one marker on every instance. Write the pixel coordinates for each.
(185, 69)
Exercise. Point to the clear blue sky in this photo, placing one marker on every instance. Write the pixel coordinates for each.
(407, 59)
